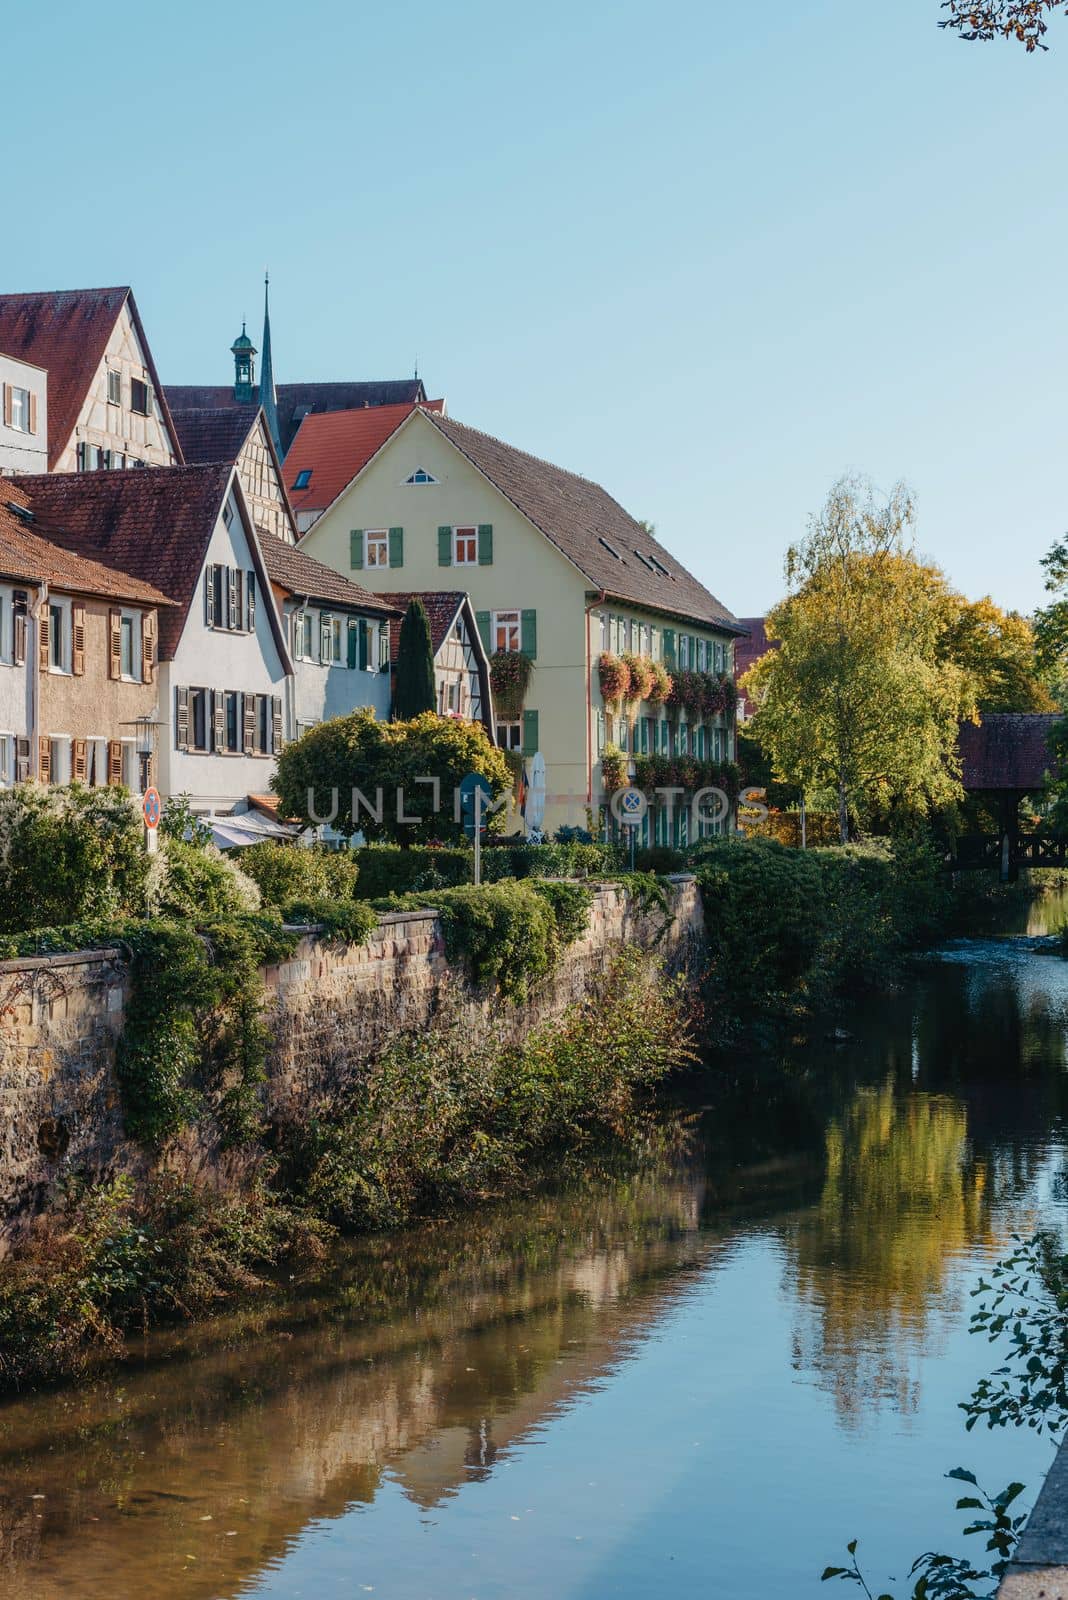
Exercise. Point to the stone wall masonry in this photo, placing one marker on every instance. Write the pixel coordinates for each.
(329, 1009)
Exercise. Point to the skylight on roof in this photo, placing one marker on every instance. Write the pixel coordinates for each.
(23, 513)
(612, 551)
(645, 561)
(420, 475)
(659, 566)
(303, 478)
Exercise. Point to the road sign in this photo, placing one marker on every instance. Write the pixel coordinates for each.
(150, 808)
(632, 805)
(474, 784)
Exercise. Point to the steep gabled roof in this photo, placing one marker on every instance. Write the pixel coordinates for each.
(333, 446)
(443, 606)
(28, 557)
(66, 331)
(154, 523)
(1006, 751)
(300, 574)
(215, 434)
(296, 400)
(613, 551)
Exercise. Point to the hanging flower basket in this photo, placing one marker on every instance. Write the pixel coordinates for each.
(640, 672)
(614, 678)
(613, 769)
(510, 674)
(660, 684)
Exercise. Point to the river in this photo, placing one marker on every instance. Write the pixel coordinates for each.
(702, 1380)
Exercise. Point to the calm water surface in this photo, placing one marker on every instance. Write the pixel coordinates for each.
(702, 1380)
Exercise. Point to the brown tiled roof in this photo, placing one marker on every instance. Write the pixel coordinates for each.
(153, 523)
(441, 605)
(217, 434)
(748, 650)
(296, 400)
(27, 556)
(66, 331)
(301, 574)
(605, 543)
(1006, 751)
(335, 445)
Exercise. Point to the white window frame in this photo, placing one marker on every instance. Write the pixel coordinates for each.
(131, 765)
(305, 623)
(7, 628)
(114, 380)
(376, 539)
(7, 760)
(418, 479)
(136, 663)
(510, 621)
(20, 409)
(96, 761)
(63, 605)
(147, 386)
(469, 534)
(62, 757)
(510, 735)
(327, 621)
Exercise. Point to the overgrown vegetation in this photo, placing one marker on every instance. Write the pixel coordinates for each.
(434, 1121)
(787, 929)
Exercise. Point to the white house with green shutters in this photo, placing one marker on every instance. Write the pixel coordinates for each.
(556, 570)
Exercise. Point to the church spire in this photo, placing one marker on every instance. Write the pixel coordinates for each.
(268, 397)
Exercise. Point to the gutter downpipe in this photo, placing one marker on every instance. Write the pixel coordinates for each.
(600, 600)
(35, 608)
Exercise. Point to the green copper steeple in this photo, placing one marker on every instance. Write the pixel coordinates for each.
(244, 354)
(268, 397)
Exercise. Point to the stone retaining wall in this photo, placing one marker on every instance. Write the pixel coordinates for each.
(61, 1017)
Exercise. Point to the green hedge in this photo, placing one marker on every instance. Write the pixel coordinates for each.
(387, 869)
(285, 872)
(787, 929)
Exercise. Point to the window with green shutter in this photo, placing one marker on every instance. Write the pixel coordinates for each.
(363, 645)
(356, 549)
(530, 733)
(485, 544)
(669, 647)
(352, 642)
(445, 547)
(396, 547)
(528, 633)
(482, 619)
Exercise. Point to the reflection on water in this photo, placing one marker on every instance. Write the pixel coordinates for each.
(695, 1380)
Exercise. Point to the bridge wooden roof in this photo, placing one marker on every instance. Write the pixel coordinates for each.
(1007, 752)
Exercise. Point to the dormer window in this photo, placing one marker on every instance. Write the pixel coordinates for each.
(420, 475)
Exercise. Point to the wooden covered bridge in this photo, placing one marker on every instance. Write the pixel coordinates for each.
(1005, 758)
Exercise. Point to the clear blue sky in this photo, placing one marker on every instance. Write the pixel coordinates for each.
(711, 254)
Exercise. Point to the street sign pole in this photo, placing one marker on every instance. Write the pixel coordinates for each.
(477, 799)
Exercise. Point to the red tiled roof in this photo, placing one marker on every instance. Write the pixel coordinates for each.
(66, 331)
(27, 556)
(442, 606)
(295, 401)
(609, 547)
(1006, 751)
(301, 574)
(153, 523)
(335, 445)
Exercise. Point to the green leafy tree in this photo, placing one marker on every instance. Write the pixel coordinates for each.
(1022, 20)
(860, 699)
(415, 691)
(366, 775)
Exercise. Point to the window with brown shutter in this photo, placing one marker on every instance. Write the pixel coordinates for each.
(80, 766)
(8, 405)
(114, 762)
(218, 718)
(248, 724)
(181, 718)
(42, 639)
(148, 646)
(77, 654)
(276, 724)
(22, 759)
(114, 644)
(44, 758)
(19, 608)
